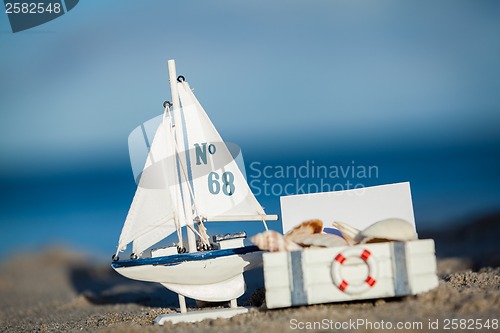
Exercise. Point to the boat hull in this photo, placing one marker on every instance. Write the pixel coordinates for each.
(199, 275)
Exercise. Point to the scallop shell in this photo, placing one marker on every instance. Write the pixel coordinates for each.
(305, 229)
(321, 240)
(273, 241)
(388, 230)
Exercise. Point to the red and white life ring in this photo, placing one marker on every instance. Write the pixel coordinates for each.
(344, 285)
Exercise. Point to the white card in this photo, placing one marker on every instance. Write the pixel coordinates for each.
(358, 208)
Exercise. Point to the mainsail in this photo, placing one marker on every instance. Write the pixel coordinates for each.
(153, 214)
(220, 190)
(189, 173)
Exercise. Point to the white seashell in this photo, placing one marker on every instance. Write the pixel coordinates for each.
(349, 233)
(273, 241)
(387, 230)
(321, 240)
(304, 229)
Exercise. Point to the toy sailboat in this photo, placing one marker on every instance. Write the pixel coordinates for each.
(190, 178)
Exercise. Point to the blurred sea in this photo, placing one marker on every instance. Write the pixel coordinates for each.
(84, 207)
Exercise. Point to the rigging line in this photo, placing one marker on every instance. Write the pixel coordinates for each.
(160, 222)
(186, 177)
(151, 227)
(185, 172)
(205, 241)
(191, 193)
(185, 137)
(176, 218)
(178, 228)
(265, 224)
(201, 227)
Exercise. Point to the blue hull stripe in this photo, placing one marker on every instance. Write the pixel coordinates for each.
(179, 258)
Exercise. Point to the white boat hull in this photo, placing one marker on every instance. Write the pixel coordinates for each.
(214, 279)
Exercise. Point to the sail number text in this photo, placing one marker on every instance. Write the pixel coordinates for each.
(216, 182)
(226, 182)
(201, 152)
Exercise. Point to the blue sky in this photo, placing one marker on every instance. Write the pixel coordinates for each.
(354, 73)
(410, 86)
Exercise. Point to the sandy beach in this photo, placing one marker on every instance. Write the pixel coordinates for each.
(58, 290)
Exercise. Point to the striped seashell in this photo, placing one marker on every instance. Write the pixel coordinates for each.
(305, 229)
(321, 240)
(273, 241)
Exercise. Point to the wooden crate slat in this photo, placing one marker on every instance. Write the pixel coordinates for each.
(327, 293)
(277, 278)
(423, 283)
(278, 259)
(278, 298)
(420, 246)
(422, 265)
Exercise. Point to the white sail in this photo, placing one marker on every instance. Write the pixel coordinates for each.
(220, 189)
(153, 213)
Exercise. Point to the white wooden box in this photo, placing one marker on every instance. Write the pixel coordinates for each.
(340, 274)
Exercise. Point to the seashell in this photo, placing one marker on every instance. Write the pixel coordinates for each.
(305, 229)
(273, 241)
(387, 230)
(321, 240)
(349, 233)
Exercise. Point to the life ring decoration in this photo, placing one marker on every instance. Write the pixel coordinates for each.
(344, 285)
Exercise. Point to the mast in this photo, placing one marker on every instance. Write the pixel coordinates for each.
(185, 200)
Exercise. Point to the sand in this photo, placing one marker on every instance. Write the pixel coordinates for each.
(57, 290)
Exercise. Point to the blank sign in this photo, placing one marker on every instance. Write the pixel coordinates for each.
(358, 207)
